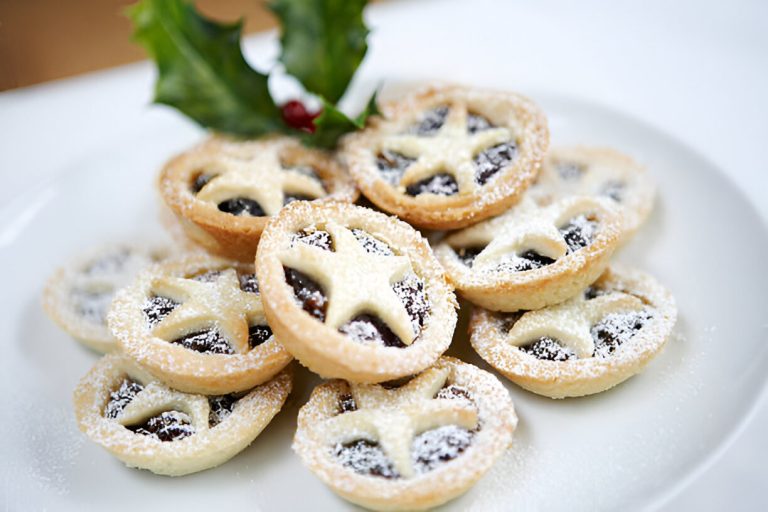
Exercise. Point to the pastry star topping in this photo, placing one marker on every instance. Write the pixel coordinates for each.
(156, 398)
(220, 302)
(393, 417)
(524, 227)
(571, 321)
(451, 150)
(355, 280)
(259, 176)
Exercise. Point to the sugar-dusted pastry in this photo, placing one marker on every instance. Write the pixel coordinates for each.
(354, 293)
(596, 340)
(148, 425)
(597, 172)
(77, 296)
(410, 447)
(224, 191)
(532, 256)
(448, 157)
(198, 325)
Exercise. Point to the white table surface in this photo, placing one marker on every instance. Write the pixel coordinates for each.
(697, 70)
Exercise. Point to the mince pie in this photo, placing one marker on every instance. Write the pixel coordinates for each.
(596, 340)
(449, 157)
(224, 191)
(77, 296)
(148, 425)
(410, 447)
(532, 256)
(198, 325)
(597, 172)
(353, 293)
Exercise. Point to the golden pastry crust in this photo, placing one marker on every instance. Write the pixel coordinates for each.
(226, 361)
(628, 312)
(266, 171)
(531, 256)
(77, 296)
(354, 280)
(451, 149)
(206, 444)
(597, 172)
(451, 396)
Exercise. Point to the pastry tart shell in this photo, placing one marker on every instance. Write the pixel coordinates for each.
(202, 450)
(579, 377)
(541, 287)
(359, 150)
(180, 367)
(496, 415)
(323, 349)
(237, 236)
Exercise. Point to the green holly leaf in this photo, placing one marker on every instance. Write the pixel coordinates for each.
(332, 123)
(201, 69)
(323, 43)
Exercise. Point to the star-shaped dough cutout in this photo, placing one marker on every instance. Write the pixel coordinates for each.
(571, 322)
(218, 302)
(156, 398)
(260, 177)
(393, 417)
(355, 281)
(451, 150)
(525, 227)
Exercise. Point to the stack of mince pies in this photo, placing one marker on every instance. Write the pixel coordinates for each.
(274, 261)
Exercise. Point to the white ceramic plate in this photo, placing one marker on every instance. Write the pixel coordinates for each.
(631, 446)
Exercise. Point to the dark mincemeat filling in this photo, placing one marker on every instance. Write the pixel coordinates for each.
(346, 404)
(242, 206)
(438, 446)
(441, 184)
(109, 264)
(593, 292)
(392, 165)
(616, 329)
(316, 238)
(508, 320)
(477, 123)
(166, 426)
(548, 349)
(258, 334)
(614, 190)
(308, 292)
(365, 328)
(492, 160)
(221, 407)
(570, 171)
(248, 282)
(608, 335)
(528, 260)
(200, 181)
(366, 458)
(431, 122)
(454, 392)
(579, 232)
(92, 306)
(208, 341)
(372, 244)
(121, 397)
(157, 307)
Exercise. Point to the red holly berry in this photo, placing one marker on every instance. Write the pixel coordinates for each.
(295, 115)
